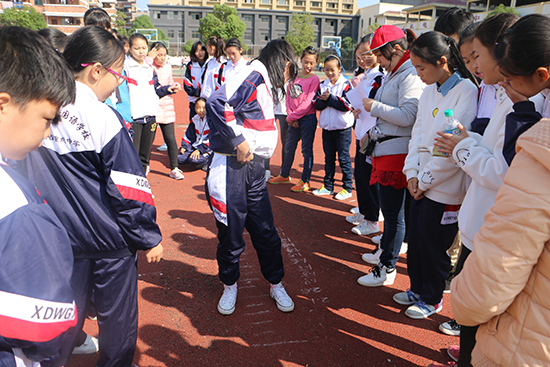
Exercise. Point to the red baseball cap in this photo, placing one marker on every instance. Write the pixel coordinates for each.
(385, 34)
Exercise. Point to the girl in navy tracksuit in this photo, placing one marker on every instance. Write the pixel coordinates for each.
(195, 146)
(336, 120)
(90, 174)
(194, 73)
(242, 135)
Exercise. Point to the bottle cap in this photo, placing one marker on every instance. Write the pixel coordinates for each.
(449, 113)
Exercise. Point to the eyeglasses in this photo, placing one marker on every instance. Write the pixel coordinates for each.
(120, 78)
(365, 55)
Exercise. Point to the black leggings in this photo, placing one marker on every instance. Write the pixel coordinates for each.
(169, 136)
(144, 134)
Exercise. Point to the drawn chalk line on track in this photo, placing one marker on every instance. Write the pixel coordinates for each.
(257, 313)
(261, 322)
(279, 343)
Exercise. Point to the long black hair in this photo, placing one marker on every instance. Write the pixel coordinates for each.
(525, 46)
(92, 44)
(274, 56)
(55, 37)
(431, 46)
(97, 17)
(491, 29)
(194, 48)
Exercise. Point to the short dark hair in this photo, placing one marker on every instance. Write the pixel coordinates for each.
(219, 43)
(89, 45)
(274, 56)
(234, 42)
(158, 45)
(31, 69)
(200, 99)
(55, 37)
(491, 29)
(525, 46)
(310, 50)
(453, 21)
(332, 58)
(140, 36)
(194, 48)
(97, 17)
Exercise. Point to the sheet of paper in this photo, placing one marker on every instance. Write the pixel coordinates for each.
(355, 96)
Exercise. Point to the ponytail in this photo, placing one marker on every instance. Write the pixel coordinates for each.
(219, 44)
(431, 46)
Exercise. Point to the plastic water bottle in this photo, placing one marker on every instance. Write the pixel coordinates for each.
(450, 127)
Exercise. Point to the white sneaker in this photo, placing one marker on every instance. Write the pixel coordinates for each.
(404, 248)
(376, 240)
(176, 174)
(366, 227)
(226, 305)
(373, 257)
(354, 210)
(355, 219)
(267, 175)
(163, 148)
(343, 195)
(283, 300)
(90, 346)
(147, 170)
(379, 275)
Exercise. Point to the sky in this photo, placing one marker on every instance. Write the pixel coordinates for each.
(142, 4)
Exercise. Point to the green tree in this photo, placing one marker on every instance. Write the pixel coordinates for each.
(187, 47)
(373, 27)
(119, 23)
(222, 22)
(346, 48)
(301, 33)
(26, 17)
(144, 22)
(501, 8)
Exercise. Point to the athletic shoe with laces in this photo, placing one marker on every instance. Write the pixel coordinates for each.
(279, 180)
(267, 174)
(376, 240)
(421, 310)
(226, 305)
(322, 191)
(406, 298)
(366, 227)
(355, 219)
(163, 148)
(454, 352)
(373, 257)
(450, 327)
(379, 275)
(176, 174)
(343, 195)
(404, 248)
(282, 299)
(300, 187)
(354, 210)
(90, 346)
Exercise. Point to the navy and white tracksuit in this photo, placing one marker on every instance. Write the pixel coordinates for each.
(89, 173)
(196, 138)
(36, 300)
(192, 83)
(238, 111)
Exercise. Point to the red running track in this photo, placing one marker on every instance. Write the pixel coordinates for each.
(336, 322)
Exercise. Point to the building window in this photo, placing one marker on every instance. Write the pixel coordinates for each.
(54, 21)
(170, 15)
(195, 35)
(195, 16)
(332, 5)
(346, 24)
(156, 14)
(247, 1)
(316, 4)
(281, 20)
(180, 15)
(266, 1)
(283, 2)
(264, 18)
(37, 2)
(331, 23)
(348, 6)
(171, 33)
(181, 35)
(299, 3)
(316, 22)
(248, 18)
(247, 37)
(264, 37)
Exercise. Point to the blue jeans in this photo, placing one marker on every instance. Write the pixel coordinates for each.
(337, 141)
(306, 132)
(392, 203)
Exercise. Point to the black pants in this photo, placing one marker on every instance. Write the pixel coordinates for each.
(114, 286)
(337, 141)
(467, 333)
(169, 136)
(238, 196)
(144, 135)
(430, 235)
(367, 194)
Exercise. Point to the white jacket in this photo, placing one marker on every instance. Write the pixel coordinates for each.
(333, 116)
(441, 179)
(143, 97)
(210, 75)
(367, 82)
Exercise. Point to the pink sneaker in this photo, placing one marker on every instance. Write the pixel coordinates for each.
(454, 351)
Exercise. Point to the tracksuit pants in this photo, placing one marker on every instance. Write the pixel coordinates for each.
(433, 227)
(199, 162)
(144, 135)
(337, 141)
(367, 194)
(238, 197)
(113, 282)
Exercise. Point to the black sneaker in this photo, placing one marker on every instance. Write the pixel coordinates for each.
(450, 328)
